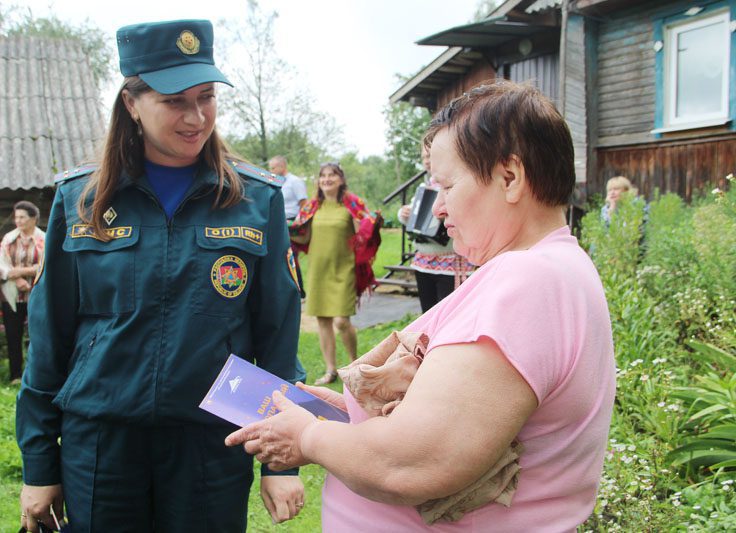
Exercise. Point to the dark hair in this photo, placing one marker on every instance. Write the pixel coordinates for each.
(28, 207)
(494, 121)
(123, 152)
(339, 171)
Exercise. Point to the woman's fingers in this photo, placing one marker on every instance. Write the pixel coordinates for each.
(242, 435)
(324, 393)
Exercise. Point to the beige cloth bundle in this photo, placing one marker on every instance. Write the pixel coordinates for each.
(379, 380)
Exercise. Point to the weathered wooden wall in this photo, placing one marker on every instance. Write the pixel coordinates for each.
(688, 168)
(626, 82)
(573, 98)
(480, 72)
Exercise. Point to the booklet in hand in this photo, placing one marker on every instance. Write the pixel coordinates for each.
(241, 394)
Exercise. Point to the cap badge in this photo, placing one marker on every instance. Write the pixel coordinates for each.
(188, 43)
(110, 215)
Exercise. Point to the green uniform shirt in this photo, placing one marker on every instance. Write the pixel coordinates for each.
(136, 329)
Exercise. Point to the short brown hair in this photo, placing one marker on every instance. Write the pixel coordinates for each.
(494, 121)
(28, 207)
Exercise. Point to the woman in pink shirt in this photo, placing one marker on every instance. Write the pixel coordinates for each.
(522, 350)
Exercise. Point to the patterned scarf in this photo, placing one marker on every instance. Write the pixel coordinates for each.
(364, 243)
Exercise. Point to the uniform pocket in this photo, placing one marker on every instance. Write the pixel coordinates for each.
(76, 372)
(105, 270)
(226, 268)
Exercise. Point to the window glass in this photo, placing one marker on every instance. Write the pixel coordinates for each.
(700, 65)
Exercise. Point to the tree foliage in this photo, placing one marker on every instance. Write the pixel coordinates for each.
(484, 7)
(15, 20)
(406, 127)
(269, 110)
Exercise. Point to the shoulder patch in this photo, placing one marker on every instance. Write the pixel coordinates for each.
(257, 173)
(76, 172)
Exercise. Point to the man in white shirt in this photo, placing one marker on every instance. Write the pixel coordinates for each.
(294, 189)
(295, 196)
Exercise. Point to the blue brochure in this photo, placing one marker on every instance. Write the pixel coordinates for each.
(241, 394)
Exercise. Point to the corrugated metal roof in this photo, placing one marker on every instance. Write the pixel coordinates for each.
(50, 110)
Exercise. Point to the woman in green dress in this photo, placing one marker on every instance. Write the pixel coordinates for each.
(342, 237)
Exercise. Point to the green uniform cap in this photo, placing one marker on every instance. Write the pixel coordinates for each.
(169, 56)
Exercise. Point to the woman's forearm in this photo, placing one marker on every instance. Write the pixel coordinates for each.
(372, 460)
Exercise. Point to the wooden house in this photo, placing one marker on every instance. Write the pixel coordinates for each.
(648, 87)
(50, 119)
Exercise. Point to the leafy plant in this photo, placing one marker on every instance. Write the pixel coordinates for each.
(713, 406)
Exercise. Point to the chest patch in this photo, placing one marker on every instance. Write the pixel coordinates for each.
(86, 230)
(237, 232)
(229, 276)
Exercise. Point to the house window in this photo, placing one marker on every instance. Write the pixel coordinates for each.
(697, 56)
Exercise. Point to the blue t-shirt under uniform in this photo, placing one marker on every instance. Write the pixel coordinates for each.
(170, 184)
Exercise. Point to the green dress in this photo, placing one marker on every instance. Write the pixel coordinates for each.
(331, 278)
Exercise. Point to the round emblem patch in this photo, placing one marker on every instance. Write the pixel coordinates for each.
(229, 276)
(188, 42)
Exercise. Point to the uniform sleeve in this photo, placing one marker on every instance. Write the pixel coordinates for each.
(51, 327)
(276, 306)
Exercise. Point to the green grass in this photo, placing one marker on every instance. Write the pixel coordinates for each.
(258, 518)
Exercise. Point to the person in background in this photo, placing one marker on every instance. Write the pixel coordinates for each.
(161, 260)
(342, 238)
(295, 196)
(21, 258)
(437, 268)
(616, 187)
(522, 350)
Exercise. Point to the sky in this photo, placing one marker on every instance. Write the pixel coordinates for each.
(346, 51)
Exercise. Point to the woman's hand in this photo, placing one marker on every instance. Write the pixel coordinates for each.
(332, 397)
(404, 213)
(275, 441)
(283, 496)
(35, 506)
(22, 284)
(302, 237)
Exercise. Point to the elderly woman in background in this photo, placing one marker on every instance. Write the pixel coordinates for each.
(21, 258)
(616, 188)
(342, 238)
(522, 350)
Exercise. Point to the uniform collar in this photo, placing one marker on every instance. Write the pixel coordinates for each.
(204, 177)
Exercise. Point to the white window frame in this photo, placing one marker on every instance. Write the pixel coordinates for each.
(672, 33)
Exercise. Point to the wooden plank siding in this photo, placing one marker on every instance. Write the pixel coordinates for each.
(688, 168)
(573, 104)
(480, 72)
(626, 84)
(690, 162)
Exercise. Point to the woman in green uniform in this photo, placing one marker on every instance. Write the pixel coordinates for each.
(343, 238)
(161, 260)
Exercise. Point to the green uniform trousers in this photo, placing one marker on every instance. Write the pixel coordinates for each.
(134, 478)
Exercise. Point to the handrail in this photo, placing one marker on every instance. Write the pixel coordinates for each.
(401, 188)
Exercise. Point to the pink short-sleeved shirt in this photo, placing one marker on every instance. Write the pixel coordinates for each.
(546, 310)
